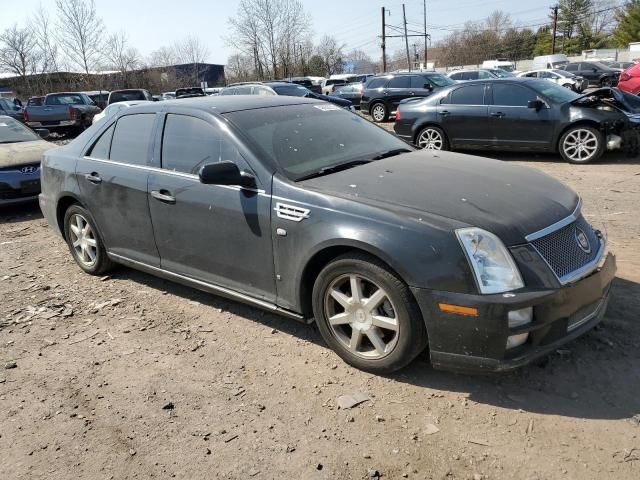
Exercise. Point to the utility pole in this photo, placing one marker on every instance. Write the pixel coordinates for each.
(424, 4)
(406, 38)
(384, 46)
(555, 28)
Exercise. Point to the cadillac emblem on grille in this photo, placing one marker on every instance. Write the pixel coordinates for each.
(28, 170)
(582, 240)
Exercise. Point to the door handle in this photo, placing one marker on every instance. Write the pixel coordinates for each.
(163, 196)
(93, 177)
(444, 113)
(497, 114)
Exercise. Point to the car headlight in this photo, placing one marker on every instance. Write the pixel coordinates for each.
(491, 262)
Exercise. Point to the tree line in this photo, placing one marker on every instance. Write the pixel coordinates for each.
(70, 36)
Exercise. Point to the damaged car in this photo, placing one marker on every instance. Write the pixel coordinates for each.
(521, 114)
(299, 207)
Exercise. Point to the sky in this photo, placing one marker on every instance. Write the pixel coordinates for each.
(151, 24)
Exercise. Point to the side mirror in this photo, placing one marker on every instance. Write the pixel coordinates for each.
(427, 86)
(226, 173)
(42, 132)
(537, 104)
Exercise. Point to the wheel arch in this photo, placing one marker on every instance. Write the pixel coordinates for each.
(583, 122)
(64, 202)
(429, 123)
(325, 254)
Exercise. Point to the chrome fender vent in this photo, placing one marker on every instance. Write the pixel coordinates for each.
(289, 212)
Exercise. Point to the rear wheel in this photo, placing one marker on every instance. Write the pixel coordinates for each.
(379, 112)
(581, 144)
(431, 138)
(84, 241)
(367, 315)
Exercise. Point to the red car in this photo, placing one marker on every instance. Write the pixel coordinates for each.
(630, 80)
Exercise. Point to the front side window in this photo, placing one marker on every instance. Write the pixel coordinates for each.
(468, 95)
(189, 143)
(418, 82)
(100, 149)
(572, 67)
(132, 138)
(242, 90)
(512, 95)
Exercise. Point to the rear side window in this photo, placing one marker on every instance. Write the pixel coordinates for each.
(400, 82)
(468, 95)
(376, 82)
(188, 143)
(100, 149)
(512, 95)
(131, 139)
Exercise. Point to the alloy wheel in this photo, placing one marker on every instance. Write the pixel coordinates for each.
(580, 145)
(430, 139)
(83, 240)
(378, 112)
(361, 316)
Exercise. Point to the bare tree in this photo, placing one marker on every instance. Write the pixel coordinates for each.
(121, 56)
(192, 50)
(18, 52)
(239, 68)
(360, 61)
(163, 57)
(80, 32)
(332, 54)
(46, 44)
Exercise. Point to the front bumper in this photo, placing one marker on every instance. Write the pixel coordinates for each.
(18, 187)
(478, 343)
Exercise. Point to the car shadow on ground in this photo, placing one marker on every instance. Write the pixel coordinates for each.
(511, 156)
(596, 376)
(23, 212)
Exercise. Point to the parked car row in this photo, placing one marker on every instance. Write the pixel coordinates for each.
(521, 114)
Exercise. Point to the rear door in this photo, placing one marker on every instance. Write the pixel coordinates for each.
(113, 181)
(513, 124)
(214, 233)
(463, 116)
(398, 88)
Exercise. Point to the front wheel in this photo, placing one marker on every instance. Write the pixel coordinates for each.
(85, 242)
(379, 113)
(367, 315)
(606, 82)
(581, 144)
(431, 138)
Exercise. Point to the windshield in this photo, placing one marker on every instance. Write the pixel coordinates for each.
(563, 73)
(303, 139)
(291, 90)
(70, 99)
(506, 68)
(601, 66)
(440, 80)
(12, 131)
(559, 64)
(553, 91)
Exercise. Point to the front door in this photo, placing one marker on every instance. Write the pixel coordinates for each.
(513, 124)
(213, 233)
(463, 116)
(113, 181)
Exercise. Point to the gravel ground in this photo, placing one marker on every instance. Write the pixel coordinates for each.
(130, 376)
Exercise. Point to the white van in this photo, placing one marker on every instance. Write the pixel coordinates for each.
(544, 62)
(501, 63)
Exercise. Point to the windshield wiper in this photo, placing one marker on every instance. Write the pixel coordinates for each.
(390, 153)
(333, 169)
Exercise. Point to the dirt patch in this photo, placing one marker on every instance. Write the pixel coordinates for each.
(129, 376)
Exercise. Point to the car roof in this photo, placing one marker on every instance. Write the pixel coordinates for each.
(225, 104)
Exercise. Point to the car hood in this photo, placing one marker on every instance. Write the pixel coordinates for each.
(508, 200)
(21, 153)
(624, 101)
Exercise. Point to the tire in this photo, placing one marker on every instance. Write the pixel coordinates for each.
(379, 339)
(432, 138)
(379, 112)
(87, 248)
(606, 82)
(581, 144)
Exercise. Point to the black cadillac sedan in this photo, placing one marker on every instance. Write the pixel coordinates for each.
(520, 114)
(307, 210)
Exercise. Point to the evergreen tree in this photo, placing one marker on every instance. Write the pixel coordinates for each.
(628, 29)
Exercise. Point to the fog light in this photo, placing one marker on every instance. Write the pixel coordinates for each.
(519, 318)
